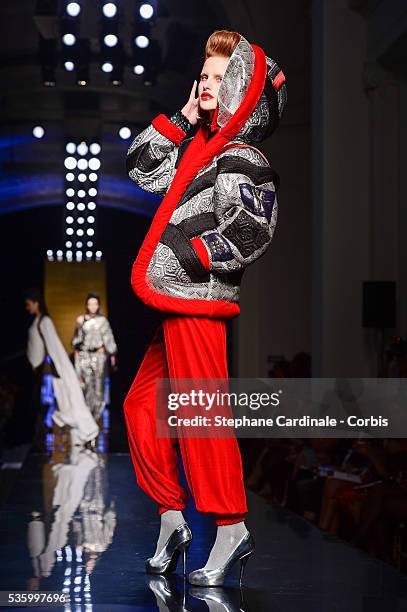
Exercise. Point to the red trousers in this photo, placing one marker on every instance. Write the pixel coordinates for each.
(184, 347)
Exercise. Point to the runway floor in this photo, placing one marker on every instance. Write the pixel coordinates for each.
(77, 522)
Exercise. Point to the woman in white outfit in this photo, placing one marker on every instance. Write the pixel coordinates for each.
(44, 341)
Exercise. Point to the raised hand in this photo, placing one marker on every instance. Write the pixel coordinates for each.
(190, 110)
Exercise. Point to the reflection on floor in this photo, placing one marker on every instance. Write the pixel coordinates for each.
(76, 522)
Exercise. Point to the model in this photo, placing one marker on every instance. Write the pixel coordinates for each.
(218, 216)
(45, 349)
(93, 342)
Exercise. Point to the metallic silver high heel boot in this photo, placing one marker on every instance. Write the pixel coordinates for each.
(216, 577)
(167, 558)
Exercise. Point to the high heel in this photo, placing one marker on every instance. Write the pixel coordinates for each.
(216, 577)
(167, 559)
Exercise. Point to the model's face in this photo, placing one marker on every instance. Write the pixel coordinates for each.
(210, 81)
(92, 305)
(32, 307)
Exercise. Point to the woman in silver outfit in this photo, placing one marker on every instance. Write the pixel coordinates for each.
(93, 342)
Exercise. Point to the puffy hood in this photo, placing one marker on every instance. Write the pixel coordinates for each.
(265, 117)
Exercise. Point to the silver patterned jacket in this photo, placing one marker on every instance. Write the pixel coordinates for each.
(226, 216)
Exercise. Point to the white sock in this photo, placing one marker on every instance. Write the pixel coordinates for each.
(227, 539)
(169, 521)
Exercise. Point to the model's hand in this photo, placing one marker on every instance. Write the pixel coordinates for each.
(190, 110)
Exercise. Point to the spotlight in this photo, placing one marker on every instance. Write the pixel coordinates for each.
(70, 163)
(73, 9)
(138, 69)
(70, 192)
(110, 40)
(79, 245)
(81, 220)
(91, 205)
(70, 148)
(79, 232)
(146, 11)
(82, 177)
(69, 220)
(70, 206)
(91, 219)
(69, 66)
(68, 244)
(90, 231)
(38, 131)
(107, 67)
(82, 164)
(69, 39)
(78, 256)
(93, 177)
(81, 206)
(124, 133)
(70, 177)
(82, 148)
(49, 253)
(94, 163)
(69, 255)
(69, 231)
(89, 254)
(142, 41)
(89, 243)
(98, 254)
(81, 192)
(92, 192)
(109, 10)
(95, 148)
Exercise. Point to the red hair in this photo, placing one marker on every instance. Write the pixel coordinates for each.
(221, 43)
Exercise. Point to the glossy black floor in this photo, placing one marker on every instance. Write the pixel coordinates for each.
(76, 521)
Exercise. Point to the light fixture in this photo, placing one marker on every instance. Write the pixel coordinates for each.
(91, 205)
(95, 148)
(69, 220)
(70, 177)
(38, 131)
(93, 177)
(82, 164)
(89, 254)
(109, 10)
(91, 219)
(82, 177)
(94, 163)
(124, 133)
(110, 40)
(70, 192)
(73, 9)
(70, 148)
(82, 148)
(70, 206)
(69, 231)
(69, 39)
(68, 244)
(69, 66)
(81, 206)
(146, 11)
(138, 69)
(70, 163)
(90, 231)
(81, 192)
(107, 67)
(142, 41)
(49, 253)
(79, 245)
(89, 243)
(92, 192)
(98, 253)
(79, 232)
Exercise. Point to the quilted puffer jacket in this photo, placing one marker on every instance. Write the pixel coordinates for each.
(219, 210)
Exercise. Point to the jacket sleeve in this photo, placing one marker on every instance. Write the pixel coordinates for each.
(152, 156)
(245, 211)
(108, 338)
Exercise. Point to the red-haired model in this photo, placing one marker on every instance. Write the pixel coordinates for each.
(218, 216)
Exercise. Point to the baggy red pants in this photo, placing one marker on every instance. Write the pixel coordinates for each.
(184, 347)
